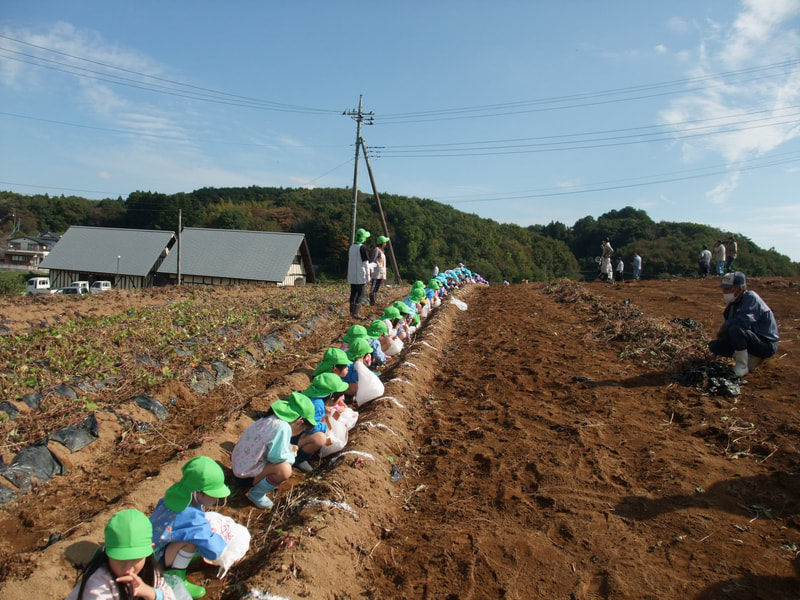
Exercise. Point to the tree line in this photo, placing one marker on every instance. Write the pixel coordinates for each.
(422, 232)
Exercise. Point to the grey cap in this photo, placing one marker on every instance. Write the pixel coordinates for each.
(735, 279)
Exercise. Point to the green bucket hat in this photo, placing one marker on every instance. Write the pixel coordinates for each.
(382, 239)
(401, 306)
(355, 332)
(361, 236)
(434, 284)
(358, 349)
(325, 384)
(200, 474)
(376, 329)
(296, 406)
(390, 312)
(416, 295)
(418, 284)
(332, 356)
(129, 536)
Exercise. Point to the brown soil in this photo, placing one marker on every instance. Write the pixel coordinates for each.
(545, 447)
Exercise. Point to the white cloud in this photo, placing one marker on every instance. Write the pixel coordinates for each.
(720, 193)
(742, 115)
(661, 49)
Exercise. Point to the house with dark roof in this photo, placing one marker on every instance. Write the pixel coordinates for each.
(230, 256)
(138, 258)
(128, 258)
(25, 253)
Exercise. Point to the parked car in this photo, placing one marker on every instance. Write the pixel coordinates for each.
(75, 291)
(38, 285)
(83, 286)
(100, 286)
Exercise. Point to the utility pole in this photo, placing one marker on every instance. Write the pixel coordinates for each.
(358, 117)
(380, 212)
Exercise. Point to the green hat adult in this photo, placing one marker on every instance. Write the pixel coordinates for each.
(358, 349)
(200, 474)
(354, 333)
(376, 329)
(129, 535)
(361, 236)
(390, 312)
(402, 307)
(332, 356)
(296, 406)
(382, 239)
(325, 384)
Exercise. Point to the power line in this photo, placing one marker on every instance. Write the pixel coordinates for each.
(577, 100)
(190, 90)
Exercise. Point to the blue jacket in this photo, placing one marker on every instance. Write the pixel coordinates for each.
(750, 312)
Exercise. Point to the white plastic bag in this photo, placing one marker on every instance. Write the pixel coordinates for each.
(369, 385)
(395, 348)
(236, 536)
(459, 303)
(340, 419)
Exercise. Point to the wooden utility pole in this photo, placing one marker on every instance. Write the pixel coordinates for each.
(180, 230)
(380, 212)
(358, 117)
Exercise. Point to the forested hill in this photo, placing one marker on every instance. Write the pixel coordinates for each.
(423, 232)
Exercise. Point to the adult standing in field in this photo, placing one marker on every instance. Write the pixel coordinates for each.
(606, 251)
(637, 266)
(435, 270)
(731, 252)
(704, 262)
(358, 271)
(378, 259)
(719, 257)
(620, 269)
(750, 332)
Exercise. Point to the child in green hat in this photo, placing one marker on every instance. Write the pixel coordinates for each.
(376, 333)
(325, 390)
(125, 567)
(263, 457)
(180, 527)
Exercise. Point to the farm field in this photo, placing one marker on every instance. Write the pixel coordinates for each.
(536, 445)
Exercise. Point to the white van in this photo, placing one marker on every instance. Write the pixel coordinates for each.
(38, 285)
(83, 286)
(100, 286)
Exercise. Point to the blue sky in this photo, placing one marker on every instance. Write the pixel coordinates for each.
(521, 111)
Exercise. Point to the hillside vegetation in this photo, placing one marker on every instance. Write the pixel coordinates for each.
(423, 232)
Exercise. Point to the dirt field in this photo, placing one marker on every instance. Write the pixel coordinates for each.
(546, 451)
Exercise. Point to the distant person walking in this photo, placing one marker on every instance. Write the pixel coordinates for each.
(704, 262)
(637, 266)
(719, 257)
(378, 258)
(358, 271)
(620, 269)
(731, 252)
(606, 252)
(435, 270)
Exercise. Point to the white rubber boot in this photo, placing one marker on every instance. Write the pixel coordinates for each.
(740, 356)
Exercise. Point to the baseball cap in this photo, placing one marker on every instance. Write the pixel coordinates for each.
(735, 279)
